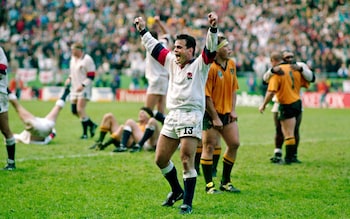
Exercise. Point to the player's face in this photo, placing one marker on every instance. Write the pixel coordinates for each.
(274, 62)
(76, 52)
(143, 116)
(224, 52)
(182, 53)
(288, 57)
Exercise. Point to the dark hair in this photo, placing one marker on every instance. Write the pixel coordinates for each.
(147, 110)
(190, 41)
(287, 52)
(288, 56)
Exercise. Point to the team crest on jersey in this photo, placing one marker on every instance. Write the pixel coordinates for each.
(220, 74)
(232, 71)
(189, 76)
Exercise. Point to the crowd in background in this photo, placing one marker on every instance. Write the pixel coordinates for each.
(38, 33)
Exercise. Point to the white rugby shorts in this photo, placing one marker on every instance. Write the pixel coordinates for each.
(4, 103)
(183, 123)
(85, 94)
(41, 127)
(275, 107)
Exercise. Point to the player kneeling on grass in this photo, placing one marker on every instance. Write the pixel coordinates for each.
(38, 130)
(135, 135)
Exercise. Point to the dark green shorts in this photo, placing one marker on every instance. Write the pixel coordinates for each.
(287, 111)
(207, 120)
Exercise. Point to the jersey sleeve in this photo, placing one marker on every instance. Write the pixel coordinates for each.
(90, 68)
(307, 73)
(273, 84)
(209, 51)
(3, 62)
(209, 84)
(155, 48)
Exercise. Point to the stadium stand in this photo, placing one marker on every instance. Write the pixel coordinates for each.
(37, 32)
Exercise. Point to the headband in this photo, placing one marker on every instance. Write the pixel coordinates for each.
(148, 111)
(222, 44)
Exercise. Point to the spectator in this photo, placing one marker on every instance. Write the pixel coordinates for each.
(106, 25)
(115, 83)
(137, 69)
(16, 86)
(251, 83)
(343, 71)
(323, 88)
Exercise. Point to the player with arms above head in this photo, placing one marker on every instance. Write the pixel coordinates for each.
(186, 104)
(157, 76)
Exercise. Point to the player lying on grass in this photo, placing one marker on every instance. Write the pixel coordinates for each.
(38, 130)
(132, 134)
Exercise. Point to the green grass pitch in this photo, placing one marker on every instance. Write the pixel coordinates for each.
(67, 180)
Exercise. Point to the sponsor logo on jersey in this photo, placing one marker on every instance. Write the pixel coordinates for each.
(189, 75)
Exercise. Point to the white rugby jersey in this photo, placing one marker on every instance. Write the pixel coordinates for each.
(154, 70)
(79, 68)
(307, 73)
(186, 89)
(3, 77)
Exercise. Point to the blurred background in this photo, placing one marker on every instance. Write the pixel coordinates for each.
(37, 34)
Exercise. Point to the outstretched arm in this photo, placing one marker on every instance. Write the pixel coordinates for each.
(152, 45)
(3, 62)
(161, 25)
(267, 99)
(209, 50)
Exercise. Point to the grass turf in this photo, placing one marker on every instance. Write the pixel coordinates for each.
(67, 180)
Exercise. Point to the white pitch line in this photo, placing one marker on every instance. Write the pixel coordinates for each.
(70, 156)
(65, 156)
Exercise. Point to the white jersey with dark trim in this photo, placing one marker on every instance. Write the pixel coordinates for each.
(154, 70)
(79, 67)
(186, 85)
(3, 77)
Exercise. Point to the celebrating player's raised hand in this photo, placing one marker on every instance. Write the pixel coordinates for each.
(139, 23)
(213, 19)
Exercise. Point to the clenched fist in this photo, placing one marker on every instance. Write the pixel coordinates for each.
(213, 19)
(139, 23)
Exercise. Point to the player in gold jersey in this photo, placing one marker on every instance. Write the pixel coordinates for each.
(144, 132)
(220, 118)
(276, 59)
(286, 84)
